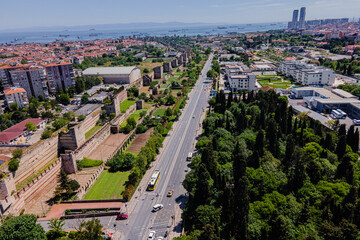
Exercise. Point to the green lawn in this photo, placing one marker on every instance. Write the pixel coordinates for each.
(91, 132)
(108, 186)
(159, 112)
(126, 104)
(275, 84)
(177, 73)
(165, 85)
(88, 163)
(170, 79)
(135, 115)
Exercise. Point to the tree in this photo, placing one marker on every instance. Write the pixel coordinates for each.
(14, 107)
(168, 112)
(56, 229)
(59, 123)
(13, 164)
(30, 126)
(33, 111)
(341, 146)
(46, 134)
(91, 229)
(81, 118)
(64, 99)
(66, 185)
(23, 227)
(146, 70)
(84, 99)
(17, 153)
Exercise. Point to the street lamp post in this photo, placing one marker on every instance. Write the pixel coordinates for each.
(42, 207)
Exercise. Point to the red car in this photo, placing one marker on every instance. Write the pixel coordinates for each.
(122, 216)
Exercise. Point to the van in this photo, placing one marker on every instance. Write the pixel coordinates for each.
(189, 158)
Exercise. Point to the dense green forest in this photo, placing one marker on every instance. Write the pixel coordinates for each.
(266, 173)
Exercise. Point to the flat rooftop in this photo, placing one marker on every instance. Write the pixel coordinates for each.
(87, 109)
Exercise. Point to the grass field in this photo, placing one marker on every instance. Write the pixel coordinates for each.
(276, 83)
(126, 104)
(135, 115)
(88, 163)
(170, 79)
(177, 73)
(159, 112)
(91, 132)
(165, 85)
(108, 186)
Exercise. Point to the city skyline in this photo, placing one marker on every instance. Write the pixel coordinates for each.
(114, 12)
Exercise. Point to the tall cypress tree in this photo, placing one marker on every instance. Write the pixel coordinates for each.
(341, 147)
(355, 144)
(202, 191)
(259, 143)
(342, 130)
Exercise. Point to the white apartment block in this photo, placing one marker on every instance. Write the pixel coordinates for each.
(307, 74)
(240, 77)
(16, 95)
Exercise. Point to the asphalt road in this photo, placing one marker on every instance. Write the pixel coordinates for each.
(173, 167)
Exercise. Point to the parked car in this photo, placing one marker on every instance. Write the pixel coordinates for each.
(157, 207)
(122, 216)
(151, 235)
(356, 122)
(170, 192)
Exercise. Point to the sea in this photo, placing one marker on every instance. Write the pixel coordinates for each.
(162, 30)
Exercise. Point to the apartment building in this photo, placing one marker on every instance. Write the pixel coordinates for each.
(16, 95)
(239, 77)
(32, 79)
(307, 74)
(59, 76)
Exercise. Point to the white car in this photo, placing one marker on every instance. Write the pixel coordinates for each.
(157, 207)
(151, 235)
(160, 238)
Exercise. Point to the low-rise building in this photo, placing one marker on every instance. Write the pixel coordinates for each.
(239, 77)
(307, 74)
(16, 134)
(16, 95)
(117, 75)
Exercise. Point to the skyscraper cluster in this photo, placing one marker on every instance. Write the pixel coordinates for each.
(298, 22)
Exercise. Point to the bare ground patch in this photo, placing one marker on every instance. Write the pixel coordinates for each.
(140, 141)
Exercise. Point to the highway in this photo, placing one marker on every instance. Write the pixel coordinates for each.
(173, 167)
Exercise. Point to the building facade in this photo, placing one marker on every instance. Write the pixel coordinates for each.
(239, 77)
(59, 76)
(16, 95)
(32, 79)
(307, 74)
(117, 75)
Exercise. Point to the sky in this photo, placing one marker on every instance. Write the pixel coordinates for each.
(48, 13)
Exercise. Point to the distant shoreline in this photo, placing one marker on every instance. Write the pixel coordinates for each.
(93, 33)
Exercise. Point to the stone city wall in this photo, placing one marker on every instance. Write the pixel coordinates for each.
(37, 157)
(30, 191)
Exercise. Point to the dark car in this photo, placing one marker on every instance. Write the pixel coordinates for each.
(122, 216)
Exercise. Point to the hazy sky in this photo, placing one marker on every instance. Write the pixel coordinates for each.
(34, 13)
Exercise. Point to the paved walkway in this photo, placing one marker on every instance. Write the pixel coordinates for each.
(58, 209)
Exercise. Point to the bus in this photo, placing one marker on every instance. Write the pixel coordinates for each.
(154, 180)
(189, 158)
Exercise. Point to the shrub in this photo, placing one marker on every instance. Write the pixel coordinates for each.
(17, 153)
(141, 128)
(46, 134)
(128, 192)
(83, 210)
(121, 162)
(81, 118)
(68, 212)
(88, 163)
(13, 164)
